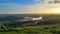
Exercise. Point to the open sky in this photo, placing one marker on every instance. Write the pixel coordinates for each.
(28, 7)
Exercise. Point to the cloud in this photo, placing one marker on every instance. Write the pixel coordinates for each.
(54, 1)
(44, 7)
(41, 6)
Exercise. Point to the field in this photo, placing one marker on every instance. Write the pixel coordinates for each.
(52, 29)
(49, 25)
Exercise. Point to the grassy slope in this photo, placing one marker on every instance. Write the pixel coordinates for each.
(33, 30)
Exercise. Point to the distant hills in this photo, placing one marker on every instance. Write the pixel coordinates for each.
(11, 17)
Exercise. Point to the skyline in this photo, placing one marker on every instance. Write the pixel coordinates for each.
(28, 7)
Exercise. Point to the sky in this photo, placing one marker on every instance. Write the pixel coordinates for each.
(29, 6)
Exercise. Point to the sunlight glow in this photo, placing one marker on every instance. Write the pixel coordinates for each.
(58, 10)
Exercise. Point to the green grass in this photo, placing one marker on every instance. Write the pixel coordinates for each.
(33, 30)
